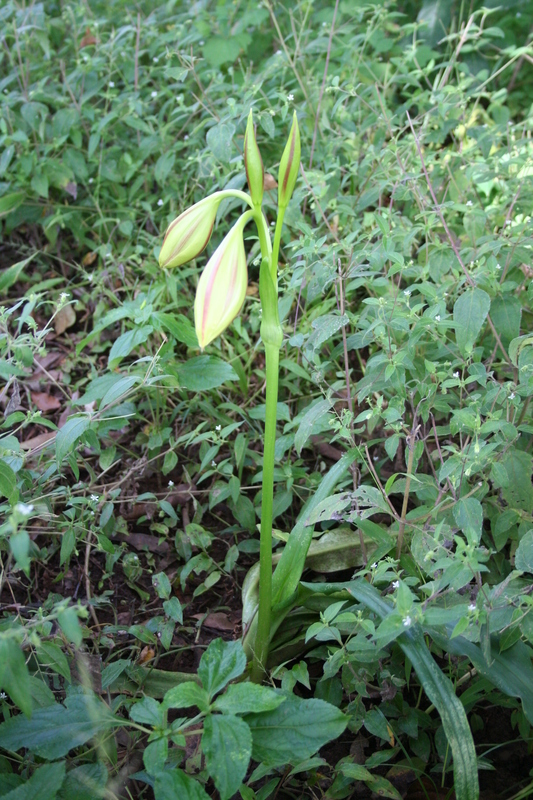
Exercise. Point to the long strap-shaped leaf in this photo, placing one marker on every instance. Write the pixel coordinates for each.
(440, 691)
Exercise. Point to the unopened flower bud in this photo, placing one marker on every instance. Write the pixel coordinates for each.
(289, 165)
(189, 234)
(253, 163)
(221, 288)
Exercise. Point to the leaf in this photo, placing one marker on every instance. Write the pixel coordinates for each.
(148, 712)
(221, 663)
(8, 483)
(9, 202)
(54, 730)
(11, 275)
(185, 695)
(294, 731)
(205, 372)
(524, 553)
(51, 655)
(227, 746)
(469, 313)
(126, 343)
(119, 389)
(174, 784)
(69, 434)
(14, 676)
(519, 491)
(313, 415)
(44, 784)
(86, 782)
(163, 166)
(220, 50)
(65, 318)
(505, 313)
(437, 16)
(179, 326)
(324, 328)
(220, 140)
(248, 698)
(468, 514)
(439, 690)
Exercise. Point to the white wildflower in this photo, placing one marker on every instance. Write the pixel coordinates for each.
(154, 94)
(213, 463)
(160, 202)
(407, 292)
(64, 296)
(24, 508)
(94, 498)
(111, 84)
(472, 607)
(512, 396)
(395, 584)
(155, 59)
(290, 97)
(498, 266)
(91, 180)
(455, 374)
(437, 318)
(374, 565)
(170, 484)
(469, 203)
(218, 427)
(3, 695)
(406, 621)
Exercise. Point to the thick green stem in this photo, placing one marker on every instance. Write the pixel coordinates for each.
(262, 640)
(275, 248)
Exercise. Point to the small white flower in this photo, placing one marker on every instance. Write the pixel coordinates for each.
(213, 463)
(111, 84)
(3, 695)
(154, 94)
(437, 318)
(406, 621)
(95, 498)
(278, 52)
(201, 42)
(455, 374)
(498, 266)
(91, 180)
(160, 202)
(374, 565)
(469, 203)
(155, 59)
(472, 607)
(290, 97)
(512, 396)
(185, 137)
(218, 427)
(518, 14)
(24, 508)
(64, 296)
(407, 292)
(395, 584)
(170, 484)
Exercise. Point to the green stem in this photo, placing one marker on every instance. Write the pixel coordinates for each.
(275, 248)
(262, 640)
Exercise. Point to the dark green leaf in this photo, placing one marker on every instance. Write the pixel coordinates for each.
(205, 372)
(176, 785)
(227, 745)
(44, 784)
(221, 663)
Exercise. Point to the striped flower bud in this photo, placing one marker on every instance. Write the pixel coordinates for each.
(253, 163)
(189, 234)
(221, 288)
(289, 165)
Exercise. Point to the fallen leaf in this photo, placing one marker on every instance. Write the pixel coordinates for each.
(217, 621)
(89, 259)
(45, 401)
(65, 318)
(146, 654)
(88, 39)
(72, 189)
(269, 182)
(36, 442)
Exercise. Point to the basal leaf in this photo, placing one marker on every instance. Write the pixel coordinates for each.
(227, 746)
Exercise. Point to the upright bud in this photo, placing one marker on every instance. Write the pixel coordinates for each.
(221, 288)
(253, 163)
(289, 165)
(189, 234)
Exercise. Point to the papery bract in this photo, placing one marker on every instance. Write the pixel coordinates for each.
(189, 234)
(253, 163)
(289, 165)
(221, 288)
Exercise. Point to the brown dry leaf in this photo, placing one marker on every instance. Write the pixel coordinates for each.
(45, 401)
(269, 182)
(36, 442)
(252, 290)
(72, 189)
(89, 259)
(88, 39)
(217, 621)
(65, 318)
(146, 654)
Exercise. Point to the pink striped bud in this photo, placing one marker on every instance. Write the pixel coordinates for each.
(221, 288)
(289, 165)
(189, 234)
(253, 163)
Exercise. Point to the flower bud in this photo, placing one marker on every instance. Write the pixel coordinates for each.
(253, 163)
(289, 165)
(189, 234)
(221, 288)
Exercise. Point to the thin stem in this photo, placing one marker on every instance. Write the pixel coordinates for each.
(262, 640)
(411, 445)
(275, 248)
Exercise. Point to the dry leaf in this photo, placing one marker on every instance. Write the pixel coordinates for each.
(88, 39)
(252, 290)
(146, 654)
(65, 318)
(89, 259)
(217, 621)
(72, 189)
(269, 182)
(45, 401)
(36, 442)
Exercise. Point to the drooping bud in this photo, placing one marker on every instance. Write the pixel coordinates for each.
(289, 165)
(253, 163)
(221, 288)
(189, 234)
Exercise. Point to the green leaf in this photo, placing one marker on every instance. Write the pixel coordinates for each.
(185, 695)
(505, 313)
(439, 690)
(437, 16)
(86, 782)
(294, 731)
(69, 624)
(524, 553)
(468, 514)
(126, 343)
(148, 712)
(220, 140)
(227, 746)
(221, 663)
(519, 491)
(9, 202)
(119, 389)
(220, 50)
(14, 676)
(313, 415)
(179, 326)
(68, 435)
(248, 698)
(51, 655)
(271, 331)
(163, 166)
(155, 755)
(8, 483)
(174, 784)
(19, 544)
(44, 784)
(55, 730)
(205, 372)
(10, 275)
(469, 314)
